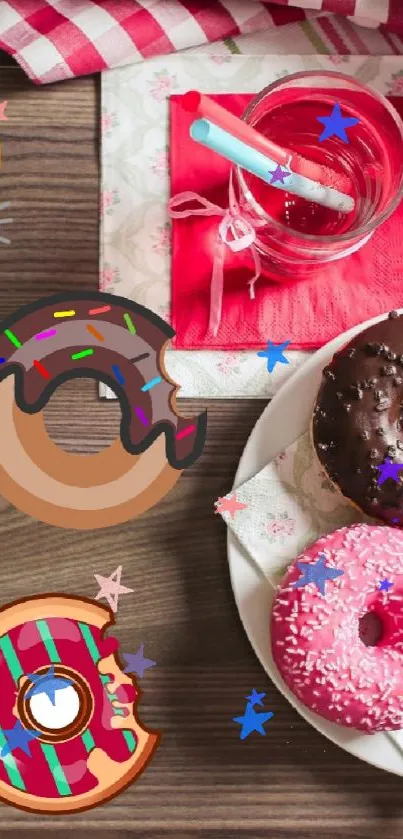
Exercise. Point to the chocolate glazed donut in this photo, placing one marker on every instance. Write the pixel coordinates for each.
(108, 338)
(358, 419)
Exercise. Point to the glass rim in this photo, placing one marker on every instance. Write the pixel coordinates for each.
(365, 229)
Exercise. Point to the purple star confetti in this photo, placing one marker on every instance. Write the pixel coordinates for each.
(137, 663)
(388, 469)
(279, 174)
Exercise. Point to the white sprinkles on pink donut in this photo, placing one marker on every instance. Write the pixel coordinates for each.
(342, 654)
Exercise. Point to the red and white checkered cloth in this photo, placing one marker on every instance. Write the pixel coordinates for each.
(59, 39)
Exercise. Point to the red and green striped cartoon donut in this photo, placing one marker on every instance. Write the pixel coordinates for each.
(69, 735)
(110, 339)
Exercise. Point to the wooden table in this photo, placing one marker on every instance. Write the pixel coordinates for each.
(203, 781)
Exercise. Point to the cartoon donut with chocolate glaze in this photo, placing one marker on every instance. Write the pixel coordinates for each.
(69, 735)
(111, 339)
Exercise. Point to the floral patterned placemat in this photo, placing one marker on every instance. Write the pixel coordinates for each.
(135, 229)
(289, 504)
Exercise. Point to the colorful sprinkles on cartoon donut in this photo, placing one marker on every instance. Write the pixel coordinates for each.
(117, 342)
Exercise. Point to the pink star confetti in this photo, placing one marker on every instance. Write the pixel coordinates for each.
(110, 588)
(229, 505)
(3, 106)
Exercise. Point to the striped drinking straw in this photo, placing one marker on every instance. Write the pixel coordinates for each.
(213, 137)
(205, 108)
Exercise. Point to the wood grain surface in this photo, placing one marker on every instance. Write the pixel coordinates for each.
(203, 781)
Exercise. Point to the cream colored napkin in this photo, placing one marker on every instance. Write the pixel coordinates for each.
(290, 504)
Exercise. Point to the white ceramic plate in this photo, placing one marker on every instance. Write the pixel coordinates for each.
(283, 421)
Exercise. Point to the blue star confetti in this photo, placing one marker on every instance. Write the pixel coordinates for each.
(252, 721)
(316, 572)
(385, 585)
(388, 469)
(279, 174)
(18, 737)
(136, 663)
(255, 698)
(47, 683)
(335, 125)
(274, 354)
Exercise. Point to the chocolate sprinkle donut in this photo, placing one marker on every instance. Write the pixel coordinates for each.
(358, 420)
(115, 341)
(109, 338)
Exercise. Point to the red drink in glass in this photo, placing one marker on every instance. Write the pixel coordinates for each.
(299, 236)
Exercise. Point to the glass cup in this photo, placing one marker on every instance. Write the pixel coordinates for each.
(297, 237)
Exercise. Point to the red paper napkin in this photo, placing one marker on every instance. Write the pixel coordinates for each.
(308, 313)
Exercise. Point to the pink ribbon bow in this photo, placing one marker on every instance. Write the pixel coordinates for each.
(234, 231)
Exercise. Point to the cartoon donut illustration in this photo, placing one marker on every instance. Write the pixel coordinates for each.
(69, 735)
(111, 339)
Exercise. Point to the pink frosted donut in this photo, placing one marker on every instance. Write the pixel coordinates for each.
(341, 653)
